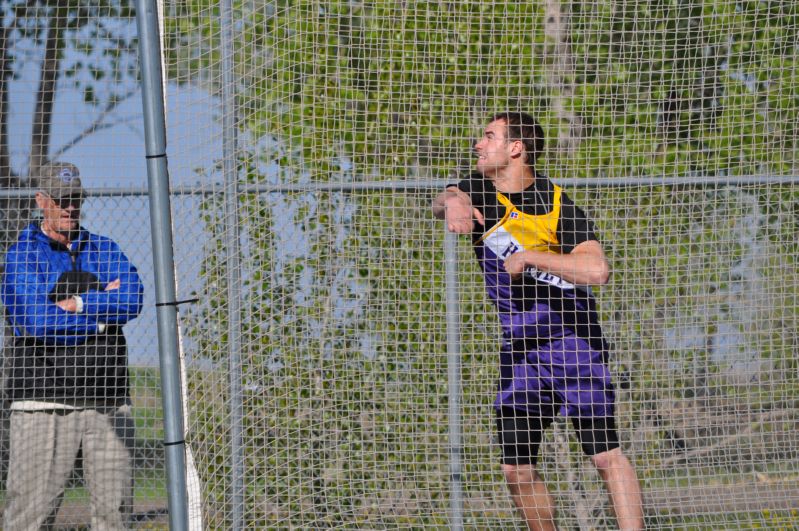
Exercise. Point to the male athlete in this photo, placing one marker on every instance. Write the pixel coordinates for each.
(539, 257)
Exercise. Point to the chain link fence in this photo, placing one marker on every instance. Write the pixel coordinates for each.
(319, 390)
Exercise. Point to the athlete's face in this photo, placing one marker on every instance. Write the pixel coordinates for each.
(494, 152)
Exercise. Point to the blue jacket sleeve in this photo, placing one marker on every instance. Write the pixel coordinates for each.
(30, 310)
(117, 306)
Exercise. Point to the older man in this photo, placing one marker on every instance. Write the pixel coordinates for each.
(67, 293)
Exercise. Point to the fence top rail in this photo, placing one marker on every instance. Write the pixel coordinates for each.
(428, 184)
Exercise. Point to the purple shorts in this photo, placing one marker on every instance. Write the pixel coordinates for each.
(566, 375)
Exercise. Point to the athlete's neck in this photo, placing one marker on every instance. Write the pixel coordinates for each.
(514, 179)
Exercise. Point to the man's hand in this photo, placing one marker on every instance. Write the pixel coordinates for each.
(516, 264)
(68, 305)
(460, 216)
(71, 305)
(455, 207)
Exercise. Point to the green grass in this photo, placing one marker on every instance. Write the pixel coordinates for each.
(766, 519)
(145, 389)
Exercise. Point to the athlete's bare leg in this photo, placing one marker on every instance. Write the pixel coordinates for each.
(530, 495)
(623, 488)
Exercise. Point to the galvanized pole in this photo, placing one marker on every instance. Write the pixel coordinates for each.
(163, 261)
(232, 253)
(454, 380)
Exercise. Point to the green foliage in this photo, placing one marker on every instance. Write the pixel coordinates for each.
(659, 88)
(668, 88)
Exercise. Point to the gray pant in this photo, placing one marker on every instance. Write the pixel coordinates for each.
(43, 448)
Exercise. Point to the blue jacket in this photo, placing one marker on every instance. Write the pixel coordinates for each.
(34, 264)
(67, 356)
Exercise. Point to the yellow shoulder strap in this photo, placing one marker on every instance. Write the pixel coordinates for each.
(508, 209)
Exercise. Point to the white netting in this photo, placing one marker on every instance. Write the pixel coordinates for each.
(674, 125)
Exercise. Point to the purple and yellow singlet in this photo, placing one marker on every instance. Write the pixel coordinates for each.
(553, 351)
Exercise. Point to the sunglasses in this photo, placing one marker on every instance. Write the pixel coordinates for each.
(65, 202)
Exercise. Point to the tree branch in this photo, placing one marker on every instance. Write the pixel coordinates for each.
(98, 124)
(5, 72)
(762, 418)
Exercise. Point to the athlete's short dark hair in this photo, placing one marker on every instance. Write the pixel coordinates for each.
(522, 126)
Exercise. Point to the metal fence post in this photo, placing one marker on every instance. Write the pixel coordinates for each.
(163, 260)
(232, 255)
(454, 380)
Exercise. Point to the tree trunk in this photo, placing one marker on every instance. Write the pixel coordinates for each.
(559, 65)
(6, 177)
(10, 214)
(45, 95)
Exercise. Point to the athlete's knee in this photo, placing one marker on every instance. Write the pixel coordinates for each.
(519, 474)
(610, 459)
